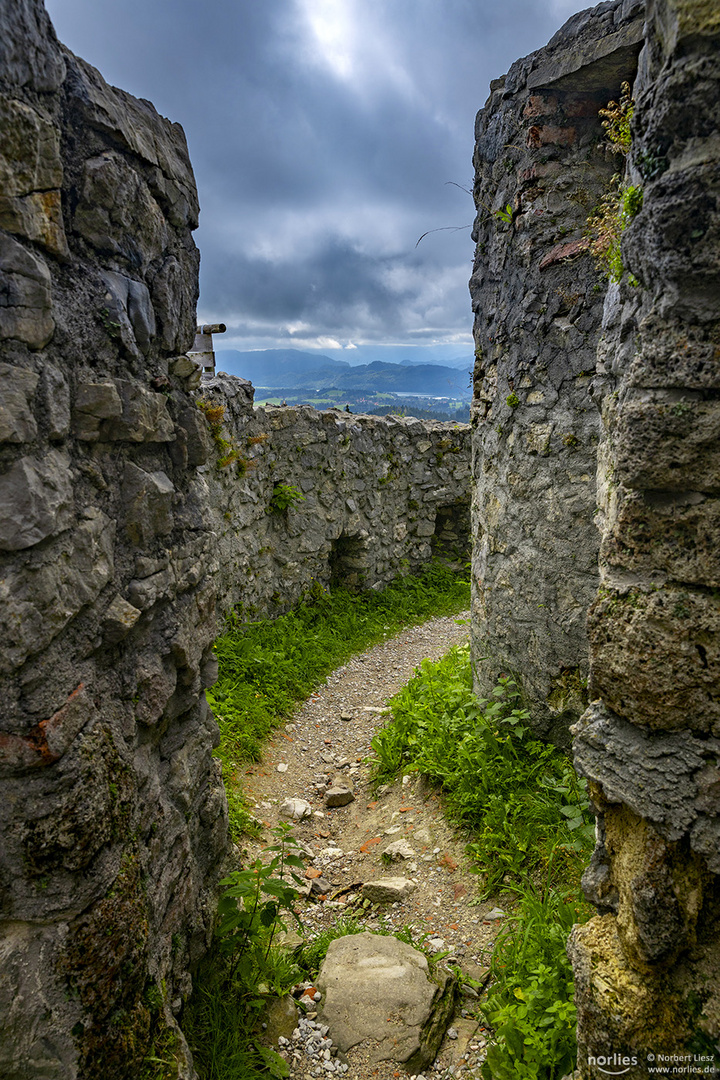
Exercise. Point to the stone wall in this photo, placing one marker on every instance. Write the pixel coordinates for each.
(112, 816)
(648, 967)
(537, 298)
(380, 497)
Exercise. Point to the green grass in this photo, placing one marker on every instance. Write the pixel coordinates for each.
(527, 818)
(530, 1002)
(267, 667)
(518, 798)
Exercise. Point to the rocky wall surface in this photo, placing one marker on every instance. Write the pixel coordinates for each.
(647, 968)
(113, 817)
(380, 496)
(537, 298)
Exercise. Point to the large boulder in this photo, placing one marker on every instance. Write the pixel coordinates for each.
(378, 991)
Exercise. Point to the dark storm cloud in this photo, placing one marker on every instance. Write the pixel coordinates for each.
(323, 134)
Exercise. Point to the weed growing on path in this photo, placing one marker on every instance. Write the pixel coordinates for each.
(244, 968)
(267, 667)
(518, 798)
(530, 1003)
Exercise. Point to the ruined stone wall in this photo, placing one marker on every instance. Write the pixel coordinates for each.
(381, 496)
(112, 814)
(537, 298)
(648, 967)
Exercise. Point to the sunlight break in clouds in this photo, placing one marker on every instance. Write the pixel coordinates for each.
(333, 25)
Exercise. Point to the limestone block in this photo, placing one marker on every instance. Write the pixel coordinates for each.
(147, 501)
(136, 125)
(648, 533)
(133, 308)
(196, 436)
(93, 403)
(668, 444)
(387, 890)
(143, 594)
(29, 51)
(39, 600)
(30, 176)
(26, 305)
(156, 683)
(36, 497)
(657, 774)
(54, 397)
(660, 887)
(656, 656)
(145, 416)
(295, 809)
(17, 386)
(29, 151)
(620, 1010)
(119, 620)
(116, 213)
(366, 978)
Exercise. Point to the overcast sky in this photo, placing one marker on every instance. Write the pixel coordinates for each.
(323, 134)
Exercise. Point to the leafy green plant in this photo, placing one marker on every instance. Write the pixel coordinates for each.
(505, 215)
(250, 907)
(243, 967)
(617, 116)
(512, 400)
(530, 1001)
(283, 497)
(519, 799)
(623, 201)
(227, 449)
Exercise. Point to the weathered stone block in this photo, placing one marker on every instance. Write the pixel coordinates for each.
(37, 499)
(117, 214)
(145, 416)
(656, 656)
(148, 500)
(119, 620)
(55, 398)
(26, 307)
(651, 531)
(38, 600)
(668, 444)
(93, 403)
(133, 306)
(17, 386)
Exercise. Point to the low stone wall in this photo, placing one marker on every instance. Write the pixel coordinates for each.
(113, 817)
(380, 497)
(537, 298)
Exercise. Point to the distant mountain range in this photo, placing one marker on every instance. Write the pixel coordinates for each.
(293, 368)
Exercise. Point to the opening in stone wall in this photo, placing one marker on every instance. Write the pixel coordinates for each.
(451, 539)
(348, 561)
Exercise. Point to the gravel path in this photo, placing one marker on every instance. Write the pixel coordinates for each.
(330, 737)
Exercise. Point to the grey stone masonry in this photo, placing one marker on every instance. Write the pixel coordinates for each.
(537, 299)
(647, 968)
(378, 497)
(113, 817)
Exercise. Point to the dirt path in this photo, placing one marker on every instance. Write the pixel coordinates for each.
(330, 737)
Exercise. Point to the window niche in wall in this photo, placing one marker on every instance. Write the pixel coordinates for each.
(451, 539)
(348, 561)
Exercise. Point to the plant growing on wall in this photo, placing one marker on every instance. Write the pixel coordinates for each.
(623, 201)
(283, 497)
(227, 449)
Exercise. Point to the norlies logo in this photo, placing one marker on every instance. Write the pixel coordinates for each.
(609, 1065)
